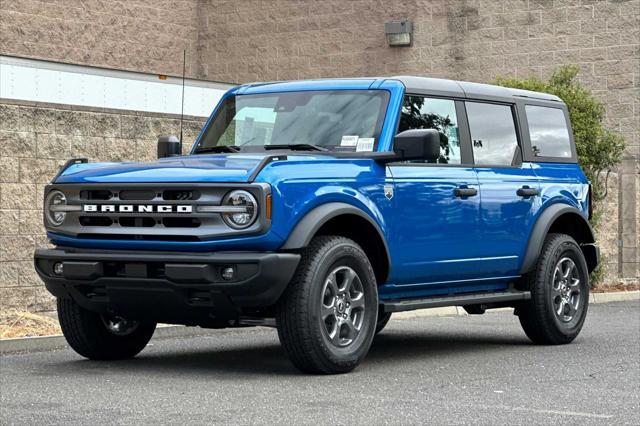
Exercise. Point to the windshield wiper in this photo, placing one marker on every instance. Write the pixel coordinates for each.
(218, 148)
(297, 147)
(237, 148)
(225, 148)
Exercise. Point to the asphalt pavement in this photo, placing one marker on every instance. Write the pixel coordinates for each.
(436, 370)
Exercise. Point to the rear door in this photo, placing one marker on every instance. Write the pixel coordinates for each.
(435, 233)
(509, 188)
(553, 155)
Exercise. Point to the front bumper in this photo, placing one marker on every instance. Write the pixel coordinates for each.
(167, 286)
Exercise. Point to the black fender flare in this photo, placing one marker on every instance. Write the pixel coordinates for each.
(541, 229)
(309, 225)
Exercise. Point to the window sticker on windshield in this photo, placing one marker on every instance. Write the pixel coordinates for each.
(365, 144)
(348, 140)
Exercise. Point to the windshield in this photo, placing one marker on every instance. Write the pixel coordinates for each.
(341, 120)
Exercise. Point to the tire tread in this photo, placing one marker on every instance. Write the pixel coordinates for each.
(86, 334)
(295, 335)
(535, 316)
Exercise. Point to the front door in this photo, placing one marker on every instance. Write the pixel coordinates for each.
(437, 207)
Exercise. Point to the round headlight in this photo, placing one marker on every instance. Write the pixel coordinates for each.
(245, 212)
(54, 200)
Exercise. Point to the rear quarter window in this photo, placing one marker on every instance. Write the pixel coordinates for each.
(548, 132)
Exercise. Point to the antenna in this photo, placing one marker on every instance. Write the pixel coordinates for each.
(184, 65)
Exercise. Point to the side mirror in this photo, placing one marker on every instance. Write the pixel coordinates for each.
(169, 146)
(417, 144)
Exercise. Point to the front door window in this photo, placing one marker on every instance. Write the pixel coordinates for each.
(419, 112)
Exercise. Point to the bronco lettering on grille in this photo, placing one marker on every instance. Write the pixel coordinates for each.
(136, 208)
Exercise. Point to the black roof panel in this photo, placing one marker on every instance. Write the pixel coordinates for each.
(465, 89)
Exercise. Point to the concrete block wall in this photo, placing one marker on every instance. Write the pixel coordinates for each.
(35, 140)
(135, 35)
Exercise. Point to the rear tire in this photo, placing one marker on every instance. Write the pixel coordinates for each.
(559, 287)
(326, 318)
(98, 337)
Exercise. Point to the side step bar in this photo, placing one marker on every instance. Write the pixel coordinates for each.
(456, 300)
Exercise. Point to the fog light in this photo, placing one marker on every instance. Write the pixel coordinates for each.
(58, 268)
(227, 273)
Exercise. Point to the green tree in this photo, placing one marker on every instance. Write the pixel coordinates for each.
(599, 149)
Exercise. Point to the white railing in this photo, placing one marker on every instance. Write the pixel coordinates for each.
(44, 81)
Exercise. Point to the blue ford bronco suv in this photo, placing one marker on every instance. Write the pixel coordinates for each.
(323, 207)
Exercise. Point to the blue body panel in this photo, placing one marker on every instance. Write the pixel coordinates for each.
(506, 219)
(201, 168)
(438, 244)
(433, 231)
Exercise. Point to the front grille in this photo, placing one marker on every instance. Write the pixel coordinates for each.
(152, 212)
(121, 223)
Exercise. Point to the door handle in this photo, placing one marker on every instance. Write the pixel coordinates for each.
(465, 192)
(527, 192)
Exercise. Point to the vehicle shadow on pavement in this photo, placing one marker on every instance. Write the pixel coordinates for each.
(403, 345)
(258, 359)
(268, 358)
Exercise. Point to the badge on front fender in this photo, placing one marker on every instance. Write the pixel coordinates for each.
(388, 191)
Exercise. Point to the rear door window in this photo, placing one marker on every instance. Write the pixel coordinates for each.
(493, 133)
(548, 132)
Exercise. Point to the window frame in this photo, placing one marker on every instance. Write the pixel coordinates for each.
(527, 151)
(385, 95)
(523, 153)
(466, 156)
(518, 158)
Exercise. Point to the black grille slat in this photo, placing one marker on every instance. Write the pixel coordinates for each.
(181, 222)
(96, 194)
(140, 195)
(180, 195)
(138, 222)
(95, 221)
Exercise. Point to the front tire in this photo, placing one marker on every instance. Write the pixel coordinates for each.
(100, 337)
(326, 318)
(559, 287)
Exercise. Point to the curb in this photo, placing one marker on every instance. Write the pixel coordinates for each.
(47, 343)
(620, 296)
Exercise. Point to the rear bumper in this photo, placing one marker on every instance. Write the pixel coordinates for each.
(591, 255)
(167, 286)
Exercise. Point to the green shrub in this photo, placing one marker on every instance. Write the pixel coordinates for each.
(599, 149)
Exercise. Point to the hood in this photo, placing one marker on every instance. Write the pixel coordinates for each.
(192, 168)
